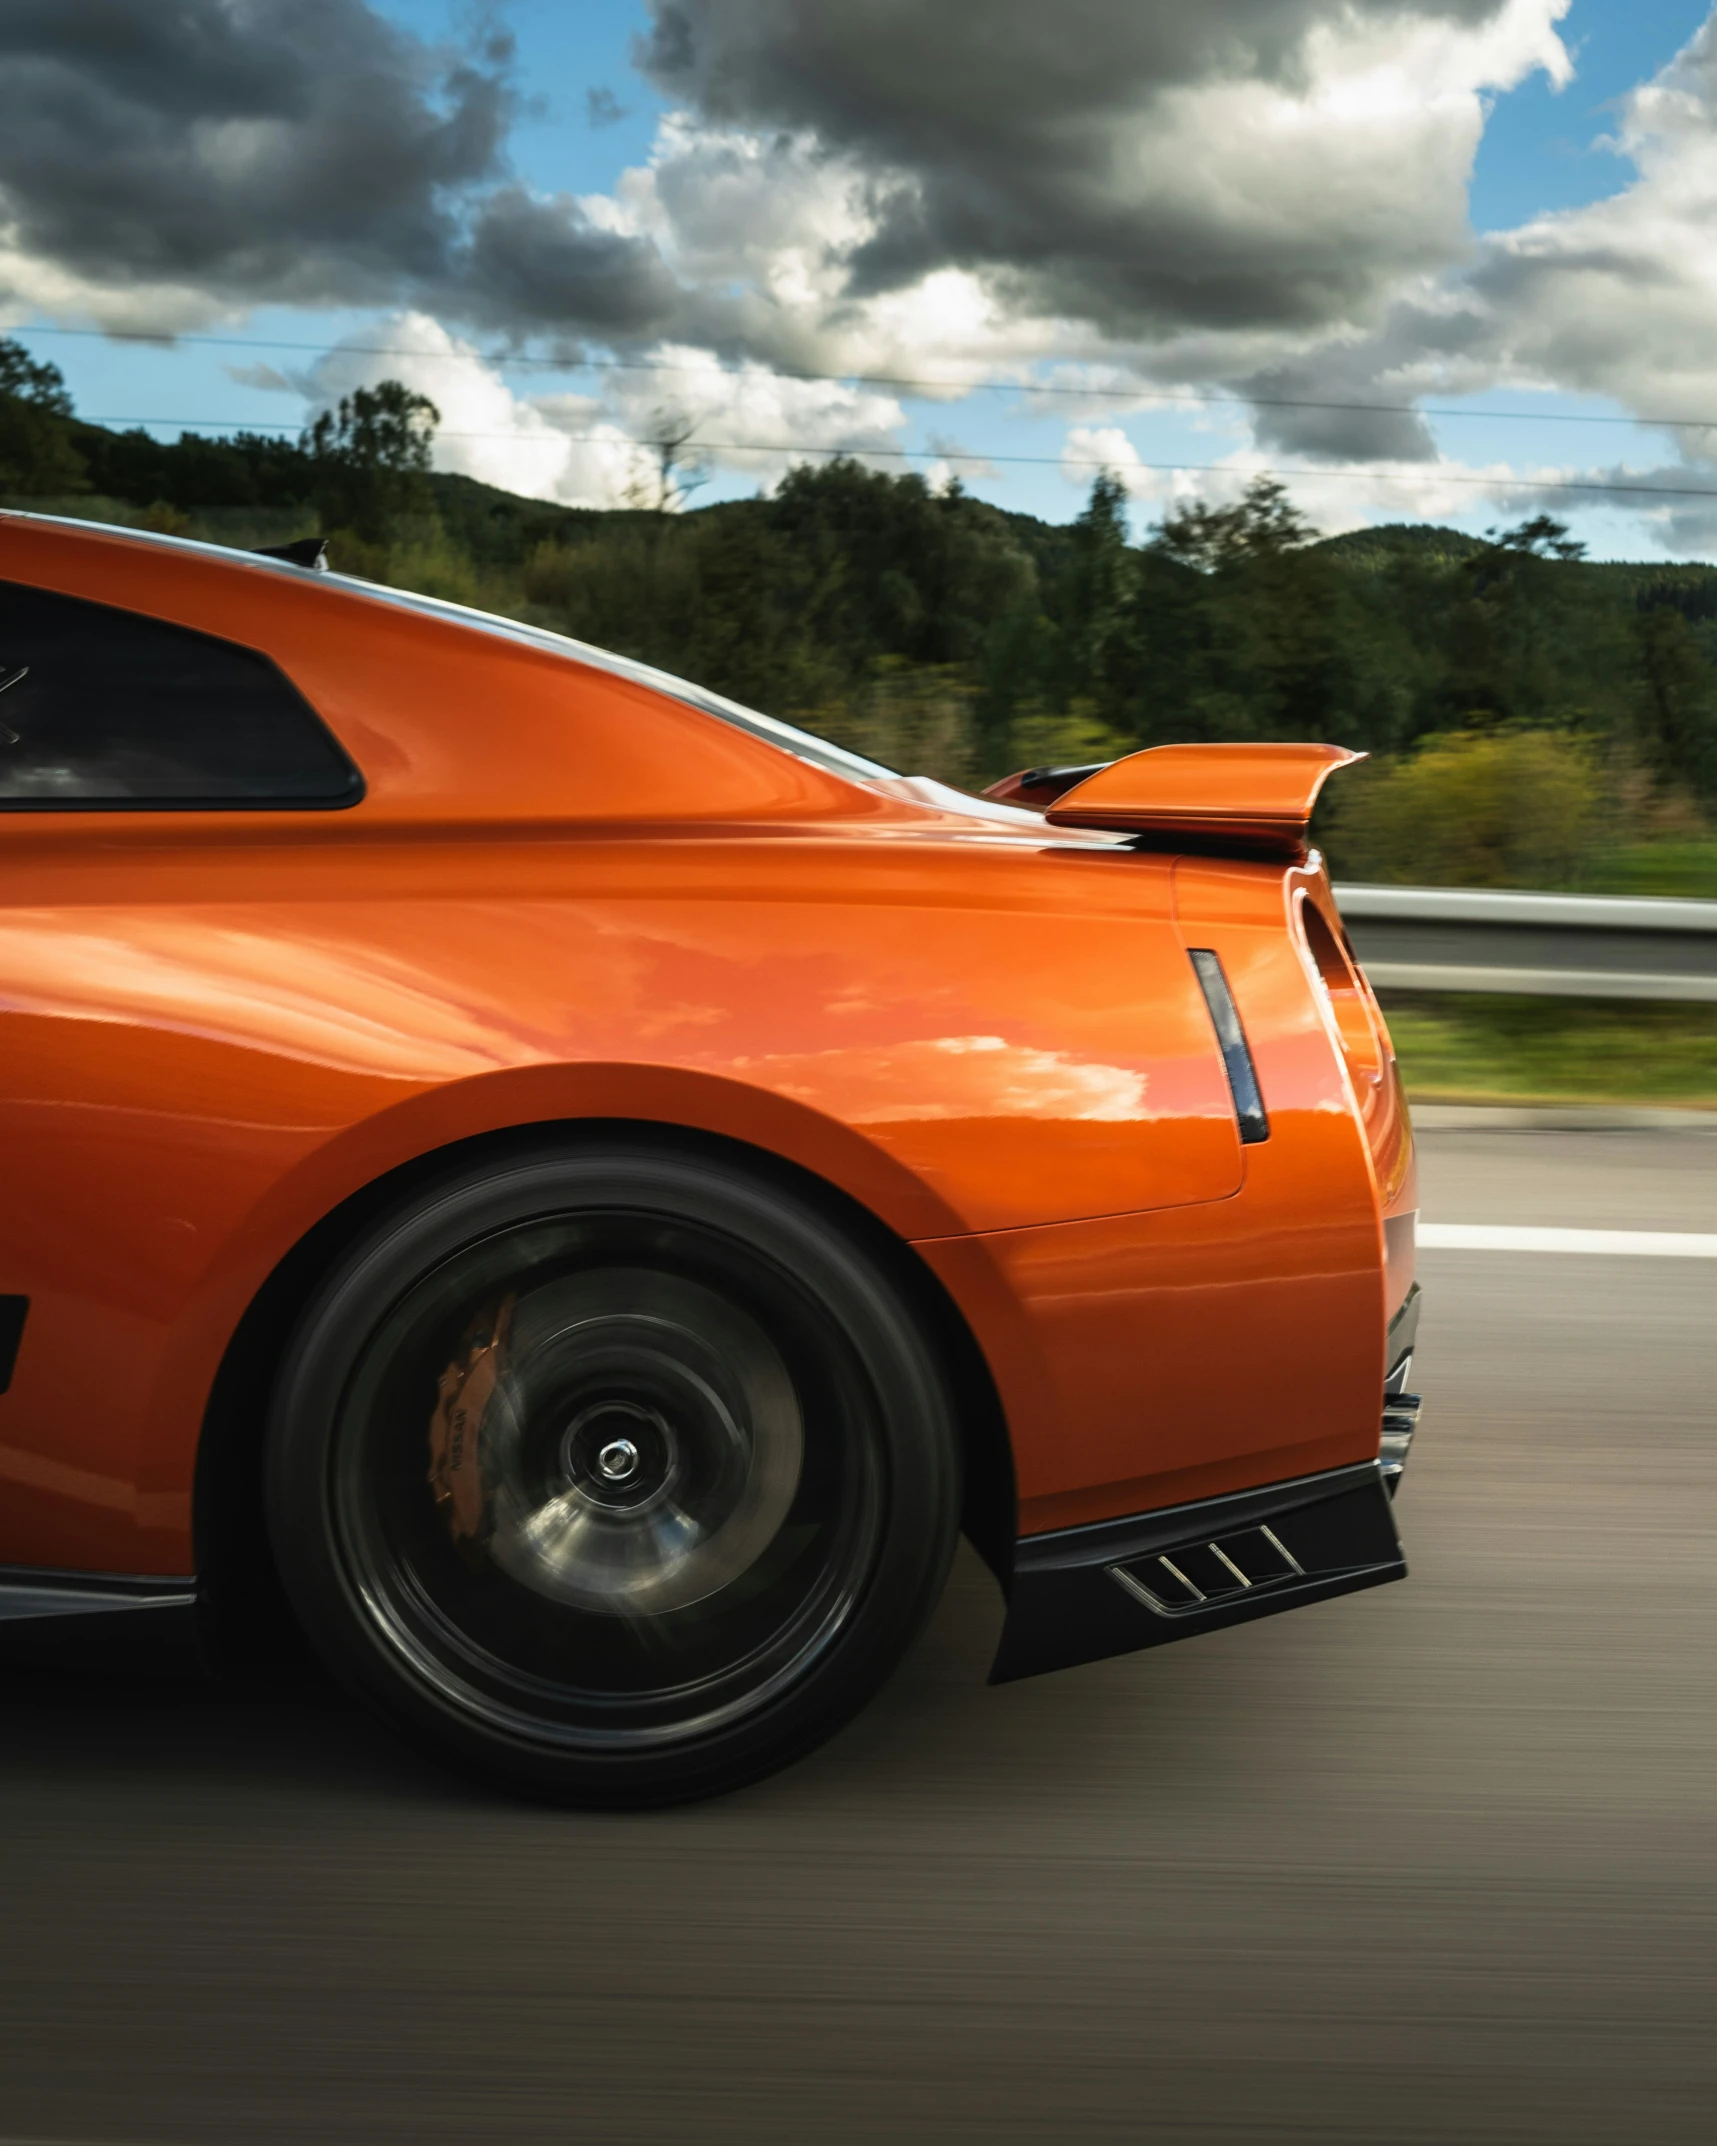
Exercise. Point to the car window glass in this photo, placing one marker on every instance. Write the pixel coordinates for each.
(104, 709)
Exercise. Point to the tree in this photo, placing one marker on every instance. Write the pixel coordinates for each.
(369, 457)
(1511, 641)
(1541, 537)
(1678, 698)
(41, 385)
(982, 640)
(1264, 525)
(38, 457)
(1248, 627)
(677, 474)
(1511, 809)
(1101, 626)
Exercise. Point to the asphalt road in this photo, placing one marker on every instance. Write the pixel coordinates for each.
(1436, 1863)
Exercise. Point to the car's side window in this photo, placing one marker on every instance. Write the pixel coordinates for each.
(106, 710)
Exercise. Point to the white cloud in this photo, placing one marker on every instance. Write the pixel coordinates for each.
(1251, 168)
(1617, 299)
(570, 452)
(1336, 498)
(1253, 194)
(1621, 296)
(269, 378)
(748, 419)
(33, 284)
(1089, 448)
(595, 450)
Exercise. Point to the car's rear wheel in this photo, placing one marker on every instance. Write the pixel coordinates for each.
(618, 1471)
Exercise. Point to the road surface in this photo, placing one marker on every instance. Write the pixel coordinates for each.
(1432, 1864)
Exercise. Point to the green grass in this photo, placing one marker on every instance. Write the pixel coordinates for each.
(1478, 1047)
(1687, 868)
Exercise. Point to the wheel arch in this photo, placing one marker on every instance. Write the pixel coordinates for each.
(245, 1614)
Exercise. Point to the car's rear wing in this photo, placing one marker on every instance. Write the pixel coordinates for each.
(1240, 800)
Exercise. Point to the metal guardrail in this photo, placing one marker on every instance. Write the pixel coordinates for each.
(1544, 945)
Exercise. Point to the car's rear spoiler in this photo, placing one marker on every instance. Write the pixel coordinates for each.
(1238, 800)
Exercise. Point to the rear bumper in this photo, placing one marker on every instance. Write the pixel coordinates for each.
(1081, 1594)
(1123, 1584)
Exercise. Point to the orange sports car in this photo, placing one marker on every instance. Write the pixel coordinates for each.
(577, 1192)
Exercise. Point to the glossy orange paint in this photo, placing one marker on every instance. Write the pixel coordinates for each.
(1177, 1355)
(1259, 796)
(567, 895)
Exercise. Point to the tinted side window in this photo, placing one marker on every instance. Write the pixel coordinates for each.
(105, 708)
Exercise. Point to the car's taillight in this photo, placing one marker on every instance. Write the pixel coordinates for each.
(1249, 1108)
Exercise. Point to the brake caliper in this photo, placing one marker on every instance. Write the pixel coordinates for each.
(463, 1394)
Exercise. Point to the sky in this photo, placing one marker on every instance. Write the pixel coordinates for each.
(1452, 261)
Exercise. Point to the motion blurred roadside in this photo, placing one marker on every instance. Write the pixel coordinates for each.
(1433, 1864)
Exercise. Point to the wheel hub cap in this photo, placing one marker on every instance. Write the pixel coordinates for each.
(644, 1443)
(618, 1461)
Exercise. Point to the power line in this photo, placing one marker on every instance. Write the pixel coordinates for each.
(941, 454)
(1191, 396)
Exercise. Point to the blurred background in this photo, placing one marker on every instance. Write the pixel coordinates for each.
(985, 388)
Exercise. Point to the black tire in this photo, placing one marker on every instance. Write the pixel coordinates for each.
(613, 1471)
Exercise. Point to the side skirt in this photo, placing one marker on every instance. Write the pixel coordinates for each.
(1081, 1594)
(98, 1620)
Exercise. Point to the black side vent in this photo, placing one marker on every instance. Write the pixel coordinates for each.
(1236, 1056)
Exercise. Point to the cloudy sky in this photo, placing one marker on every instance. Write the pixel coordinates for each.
(1456, 259)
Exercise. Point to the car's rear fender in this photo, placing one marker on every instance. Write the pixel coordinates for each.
(244, 1614)
(1151, 1359)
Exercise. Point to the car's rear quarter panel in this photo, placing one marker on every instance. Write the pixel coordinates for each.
(1180, 1354)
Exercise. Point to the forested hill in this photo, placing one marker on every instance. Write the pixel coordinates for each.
(945, 635)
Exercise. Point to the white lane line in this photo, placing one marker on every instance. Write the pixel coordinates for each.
(1495, 1237)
